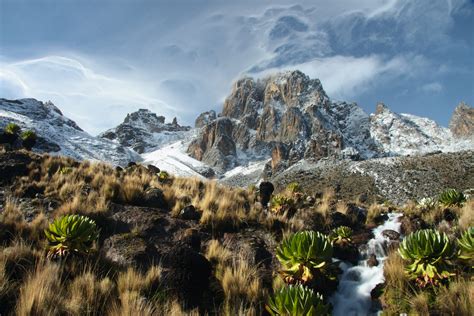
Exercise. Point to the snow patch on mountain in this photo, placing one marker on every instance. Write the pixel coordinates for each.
(61, 135)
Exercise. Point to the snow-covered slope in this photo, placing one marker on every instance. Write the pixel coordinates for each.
(406, 134)
(144, 131)
(60, 135)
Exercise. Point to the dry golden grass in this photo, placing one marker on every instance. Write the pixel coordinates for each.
(420, 304)
(373, 212)
(457, 299)
(466, 217)
(42, 293)
(217, 254)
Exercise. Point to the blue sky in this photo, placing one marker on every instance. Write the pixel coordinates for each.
(98, 60)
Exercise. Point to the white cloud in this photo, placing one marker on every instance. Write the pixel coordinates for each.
(432, 87)
(96, 101)
(345, 77)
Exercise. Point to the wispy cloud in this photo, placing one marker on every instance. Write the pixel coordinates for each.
(432, 87)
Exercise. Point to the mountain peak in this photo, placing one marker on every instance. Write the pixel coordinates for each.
(144, 130)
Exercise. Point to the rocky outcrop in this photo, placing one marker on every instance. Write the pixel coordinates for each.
(205, 118)
(143, 131)
(287, 116)
(215, 145)
(462, 121)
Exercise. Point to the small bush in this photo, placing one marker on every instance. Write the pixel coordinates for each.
(427, 203)
(71, 233)
(298, 301)
(452, 197)
(281, 203)
(341, 234)
(293, 187)
(12, 129)
(28, 139)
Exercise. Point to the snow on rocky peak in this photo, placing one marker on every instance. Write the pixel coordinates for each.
(405, 134)
(144, 131)
(59, 135)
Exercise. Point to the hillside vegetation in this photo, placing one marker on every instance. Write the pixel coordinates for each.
(147, 243)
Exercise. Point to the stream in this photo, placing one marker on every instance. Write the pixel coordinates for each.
(352, 297)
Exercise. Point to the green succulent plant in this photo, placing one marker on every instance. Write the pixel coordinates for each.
(163, 176)
(341, 234)
(429, 253)
(28, 139)
(297, 300)
(451, 197)
(303, 254)
(12, 129)
(466, 245)
(294, 187)
(280, 203)
(65, 170)
(71, 234)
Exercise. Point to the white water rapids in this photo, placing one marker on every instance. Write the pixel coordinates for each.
(352, 297)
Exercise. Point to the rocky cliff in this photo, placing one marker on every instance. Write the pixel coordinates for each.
(143, 131)
(289, 117)
(462, 121)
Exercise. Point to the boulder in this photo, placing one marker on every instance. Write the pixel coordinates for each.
(188, 275)
(153, 169)
(190, 213)
(265, 190)
(13, 164)
(372, 261)
(129, 250)
(391, 234)
(153, 197)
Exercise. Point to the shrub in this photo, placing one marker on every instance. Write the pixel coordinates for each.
(71, 233)
(452, 197)
(12, 129)
(281, 203)
(428, 252)
(298, 301)
(466, 244)
(293, 187)
(341, 234)
(302, 254)
(163, 176)
(65, 170)
(28, 139)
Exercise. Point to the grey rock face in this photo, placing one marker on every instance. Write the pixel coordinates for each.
(205, 118)
(462, 121)
(286, 111)
(139, 129)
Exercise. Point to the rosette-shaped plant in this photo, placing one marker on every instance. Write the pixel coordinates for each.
(466, 245)
(163, 176)
(428, 252)
(12, 128)
(341, 234)
(71, 234)
(452, 197)
(293, 187)
(280, 203)
(28, 139)
(303, 254)
(297, 300)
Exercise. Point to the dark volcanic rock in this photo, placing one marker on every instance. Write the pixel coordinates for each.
(190, 213)
(154, 197)
(13, 164)
(265, 190)
(372, 261)
(188, 276)
(127, 249)
(391, 234)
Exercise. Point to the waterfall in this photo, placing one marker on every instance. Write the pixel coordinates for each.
(352, 297)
